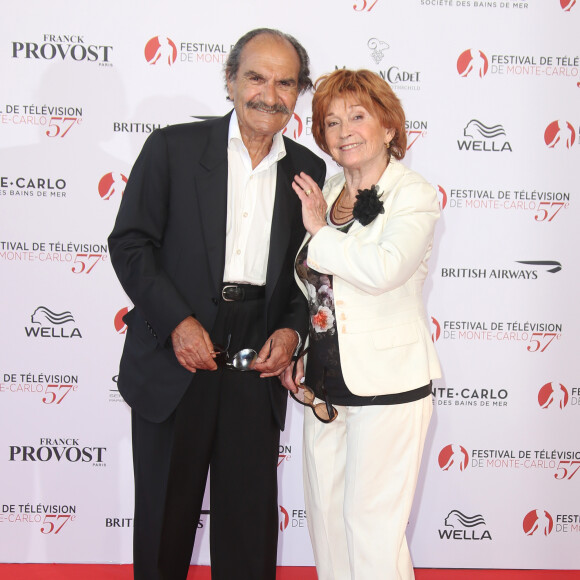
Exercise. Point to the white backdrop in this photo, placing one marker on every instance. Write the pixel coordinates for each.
(491, 93)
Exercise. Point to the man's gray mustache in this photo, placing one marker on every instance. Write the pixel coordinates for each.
(278, 108)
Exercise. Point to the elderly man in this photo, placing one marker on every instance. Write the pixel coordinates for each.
(204, 246)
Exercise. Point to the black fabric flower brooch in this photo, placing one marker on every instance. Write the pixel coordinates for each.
(367, 206)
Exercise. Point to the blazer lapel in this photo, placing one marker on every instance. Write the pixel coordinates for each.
(212, 194)
(284, 207)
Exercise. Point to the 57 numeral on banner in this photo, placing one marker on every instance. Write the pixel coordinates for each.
(55, 523)
(84, 263)
(540, 341)
(547, 210)
(60, 126)
(562, 470)
(362, 6)
(54, 393)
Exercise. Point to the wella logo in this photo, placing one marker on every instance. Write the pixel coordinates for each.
(464, 527)
(482, 138)
(49, 324)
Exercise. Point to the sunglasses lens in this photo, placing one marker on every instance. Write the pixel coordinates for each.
(304, 396)
(245, 359)
(322, 412)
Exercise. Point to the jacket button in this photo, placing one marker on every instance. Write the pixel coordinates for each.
(215, 301)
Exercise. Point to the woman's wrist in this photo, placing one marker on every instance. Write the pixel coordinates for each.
(313, 231)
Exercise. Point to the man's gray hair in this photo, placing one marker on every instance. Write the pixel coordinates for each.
(233, 62)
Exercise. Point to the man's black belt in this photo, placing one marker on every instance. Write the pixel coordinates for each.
(239, 292)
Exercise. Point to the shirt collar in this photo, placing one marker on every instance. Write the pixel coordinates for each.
(277, 151)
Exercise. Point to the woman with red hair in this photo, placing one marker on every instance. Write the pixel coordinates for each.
(370, 356)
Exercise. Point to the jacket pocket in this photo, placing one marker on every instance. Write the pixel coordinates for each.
(401, 335)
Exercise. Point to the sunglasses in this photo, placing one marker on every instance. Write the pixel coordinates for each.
(244, 360)
(324, 412)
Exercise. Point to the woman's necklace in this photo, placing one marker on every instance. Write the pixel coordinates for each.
(341, 213)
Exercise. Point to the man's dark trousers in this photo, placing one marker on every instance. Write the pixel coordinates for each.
(242, 451)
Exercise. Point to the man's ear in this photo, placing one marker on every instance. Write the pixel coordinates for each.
(230, 88)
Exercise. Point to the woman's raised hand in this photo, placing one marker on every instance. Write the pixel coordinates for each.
(313, 204)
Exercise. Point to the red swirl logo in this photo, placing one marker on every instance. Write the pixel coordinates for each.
(560, 134)
(538, 521)
(472, 62)
(554, 395)
(112, 183)
(120, 325)
(162, 50)
(294, 127)
(453, 458)
(284, 518)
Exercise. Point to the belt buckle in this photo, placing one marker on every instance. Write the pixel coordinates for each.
(235, 290)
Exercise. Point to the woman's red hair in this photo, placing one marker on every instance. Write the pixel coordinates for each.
(368, 89)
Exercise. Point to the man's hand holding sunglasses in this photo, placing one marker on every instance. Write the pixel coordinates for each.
(277, 352)
(192, 346)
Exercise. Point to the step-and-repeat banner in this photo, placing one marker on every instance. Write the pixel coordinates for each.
(491, 91)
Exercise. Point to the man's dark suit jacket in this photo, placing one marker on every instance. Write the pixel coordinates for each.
(168, 250)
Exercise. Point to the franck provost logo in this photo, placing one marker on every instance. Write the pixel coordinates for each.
(459, 526)
(58, 450)
(484, 138)
(60, 47)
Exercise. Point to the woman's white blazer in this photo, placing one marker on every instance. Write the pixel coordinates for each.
(379, 270)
